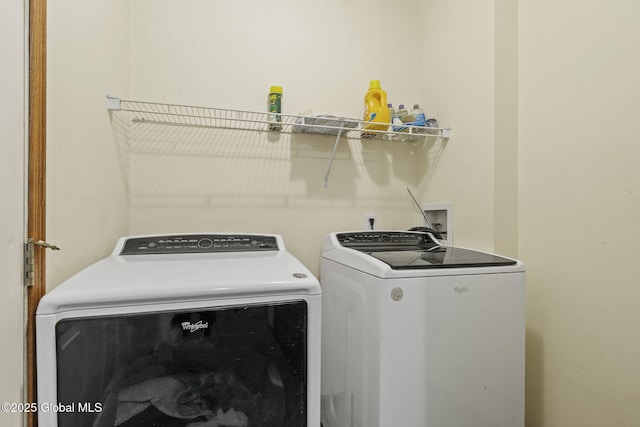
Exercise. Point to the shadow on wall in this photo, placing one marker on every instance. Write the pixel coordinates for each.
(193, 177)
(429, 155)
(203, 165)
(534, 379)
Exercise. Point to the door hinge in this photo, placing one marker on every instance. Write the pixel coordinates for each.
(28, 257)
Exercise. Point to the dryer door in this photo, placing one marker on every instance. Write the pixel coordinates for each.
(230, 366)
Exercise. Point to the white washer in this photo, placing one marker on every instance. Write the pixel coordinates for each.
(195, 327)
(416, 334)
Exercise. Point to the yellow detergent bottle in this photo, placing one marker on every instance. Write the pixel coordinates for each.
(376, 111)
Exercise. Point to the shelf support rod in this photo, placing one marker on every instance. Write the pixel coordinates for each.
(333, 156)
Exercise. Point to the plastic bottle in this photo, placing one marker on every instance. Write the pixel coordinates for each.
(392, 112)
(402, 112)
(275, 108)
(401, 116)
(418, 116)
(392, 115)
(376, 111)
(432, 123)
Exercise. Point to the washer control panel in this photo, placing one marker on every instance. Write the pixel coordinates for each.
(384, 239)
(198, 243)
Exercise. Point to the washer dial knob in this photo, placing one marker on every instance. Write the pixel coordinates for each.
(205, 243)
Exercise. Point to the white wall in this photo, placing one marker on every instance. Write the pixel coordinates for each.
(87, 58)
(558, 77)
(580, 209)
(506, 127)
(227, 55)
(457, 79)
(12, 135)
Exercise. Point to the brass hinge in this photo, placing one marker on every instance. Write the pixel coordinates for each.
(28, 257)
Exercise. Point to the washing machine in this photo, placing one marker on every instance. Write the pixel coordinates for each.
(183, 330)
(417, 334)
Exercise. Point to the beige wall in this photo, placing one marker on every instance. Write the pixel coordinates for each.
(506, 127)
(12, 138)
(87, 59)
(227, 55)
(542, 98)
(579, 104)
(457, 67)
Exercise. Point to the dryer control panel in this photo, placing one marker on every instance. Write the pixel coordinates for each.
(198, 243)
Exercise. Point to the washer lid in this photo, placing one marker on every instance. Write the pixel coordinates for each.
(438, 257)
(394, 253)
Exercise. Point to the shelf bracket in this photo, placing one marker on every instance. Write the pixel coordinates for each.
(333, 156)
(113, 103)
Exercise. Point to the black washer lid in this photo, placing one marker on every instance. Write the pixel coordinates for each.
(438, 257)
(410, 250)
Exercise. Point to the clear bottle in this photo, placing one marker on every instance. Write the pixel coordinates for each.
(418, 116)
(432, 123)
(393, 115)
(392, 112)
(402, 112)
(275, 108)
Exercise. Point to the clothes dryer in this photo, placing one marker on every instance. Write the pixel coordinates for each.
(417, 334)
(183, 330)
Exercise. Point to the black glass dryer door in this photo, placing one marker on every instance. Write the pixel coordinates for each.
(236, 366)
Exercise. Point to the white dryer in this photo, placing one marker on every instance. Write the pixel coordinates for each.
(416, 334)
(183, 330)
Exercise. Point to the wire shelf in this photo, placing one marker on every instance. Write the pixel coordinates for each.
(132, 115)
(186, 115)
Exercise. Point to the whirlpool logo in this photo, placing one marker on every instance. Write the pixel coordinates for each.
(460, 289)
(193, 327)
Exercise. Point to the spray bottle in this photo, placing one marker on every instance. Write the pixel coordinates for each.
(275, 108)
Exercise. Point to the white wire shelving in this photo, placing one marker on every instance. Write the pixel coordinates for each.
(140, 112)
